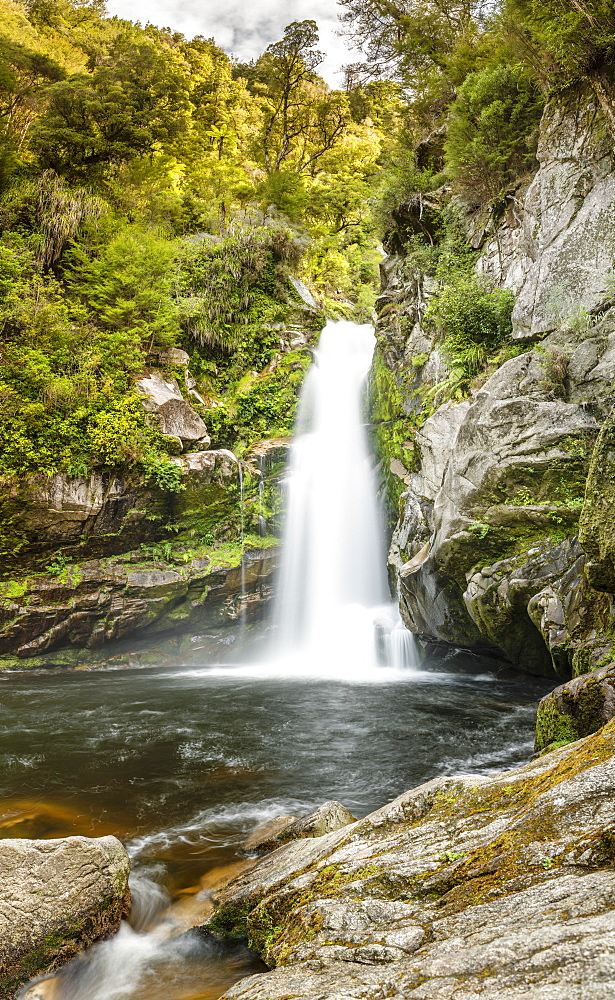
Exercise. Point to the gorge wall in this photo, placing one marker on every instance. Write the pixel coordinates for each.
(504, 539)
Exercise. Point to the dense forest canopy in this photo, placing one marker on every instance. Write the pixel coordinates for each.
(156, 193)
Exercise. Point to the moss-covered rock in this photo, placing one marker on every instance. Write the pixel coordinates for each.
(576, 709)
(597, 529)
(473, 885)
(55, 620)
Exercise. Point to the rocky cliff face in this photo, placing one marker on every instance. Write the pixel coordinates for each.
(486, 550)
(109, 563)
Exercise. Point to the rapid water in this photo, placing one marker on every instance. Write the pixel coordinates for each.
(183, 762)
(332, 614)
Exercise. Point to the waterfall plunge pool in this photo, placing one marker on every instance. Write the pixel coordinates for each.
(182, 762)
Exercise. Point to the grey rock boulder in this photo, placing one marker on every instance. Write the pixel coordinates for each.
(175, 417)
(577, 708)
(496, 472)
(303, 292)
(330, 816)
(57, 897)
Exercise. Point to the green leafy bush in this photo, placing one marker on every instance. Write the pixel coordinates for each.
(220, 283)
(492, 131)
(164, 474)
(128, 290)
(473, 316)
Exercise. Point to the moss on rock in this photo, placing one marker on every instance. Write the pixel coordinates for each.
(597, 527)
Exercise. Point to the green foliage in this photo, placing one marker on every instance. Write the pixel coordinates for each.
(492, 131)
(566, 41)
(138, 97)
(222, 283)
(128, 290)
(12, 590)
(164, 474)
(473, 317)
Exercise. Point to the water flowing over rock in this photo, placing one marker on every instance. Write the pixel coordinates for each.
(332, 594)
(328, 817)
(498, 887)
(58, 897)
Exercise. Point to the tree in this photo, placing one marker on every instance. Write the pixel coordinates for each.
(492, 130)
(60, 14)
(25, 76)
(568, 41)
(302, 118)
(409, 39)
(138, 97)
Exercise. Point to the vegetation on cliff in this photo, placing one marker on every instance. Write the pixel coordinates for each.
(153, 194)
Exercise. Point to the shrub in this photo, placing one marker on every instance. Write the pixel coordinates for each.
(221, 282)
(128, 289)
(492, 131)
(474, 318)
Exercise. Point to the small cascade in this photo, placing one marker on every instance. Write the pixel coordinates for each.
(332, 608)
(242, 595)
(262, 519)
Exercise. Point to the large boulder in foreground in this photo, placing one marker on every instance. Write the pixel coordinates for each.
(466, 888)
(56, 898)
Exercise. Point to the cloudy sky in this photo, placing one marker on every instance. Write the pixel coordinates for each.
(244, 27)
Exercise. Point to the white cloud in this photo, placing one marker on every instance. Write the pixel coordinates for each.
(245, 28)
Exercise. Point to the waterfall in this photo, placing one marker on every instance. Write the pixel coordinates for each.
(332, 605)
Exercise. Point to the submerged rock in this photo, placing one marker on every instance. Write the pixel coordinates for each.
(328, 817)
(57, 898)
(466, 887)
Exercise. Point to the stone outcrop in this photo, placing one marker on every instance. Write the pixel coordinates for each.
(120, 574)
(577, 708)
(328, 817)
(486, 551)
(498, 887)
(58, 897)
(176, 418)
(108, 513)
(556, 253)
(65, 620)
(499, 476)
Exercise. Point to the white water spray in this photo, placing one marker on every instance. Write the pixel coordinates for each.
(332, 606)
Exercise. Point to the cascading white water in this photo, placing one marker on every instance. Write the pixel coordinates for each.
(332, 591)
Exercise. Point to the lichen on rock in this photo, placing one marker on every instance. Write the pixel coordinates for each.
(58, 897)
(463, 886)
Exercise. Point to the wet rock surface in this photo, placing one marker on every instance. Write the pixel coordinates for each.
(330, 816)
(58, 897)
(108, 600)
(466, 887)
(488, 550)
(509, 472)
